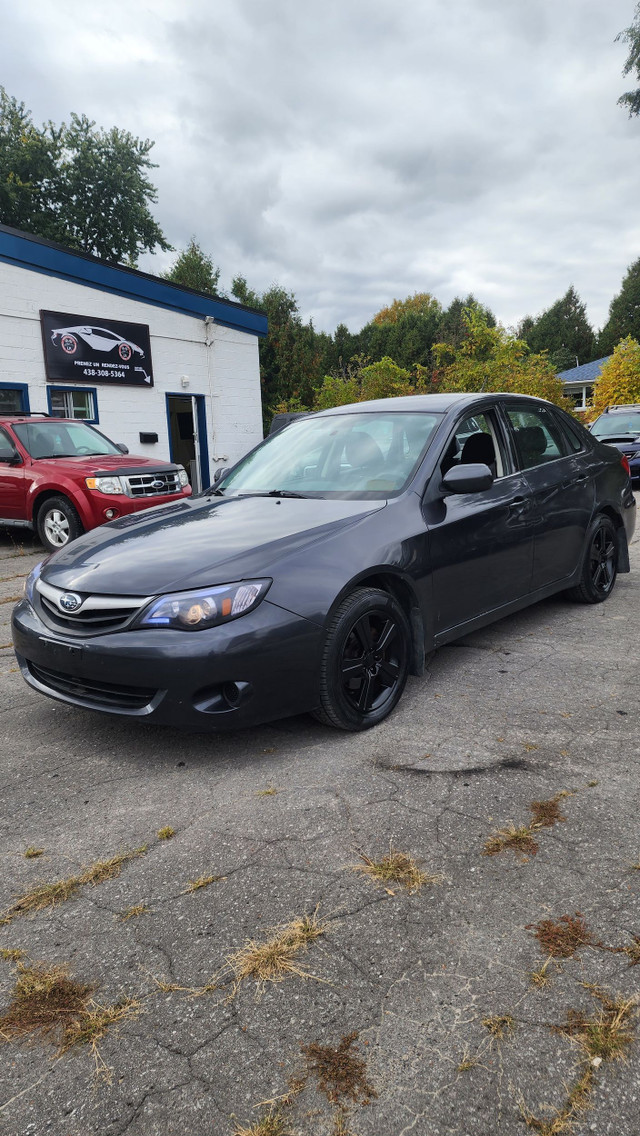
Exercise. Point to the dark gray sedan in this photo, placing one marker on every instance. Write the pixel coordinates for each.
(319, 571)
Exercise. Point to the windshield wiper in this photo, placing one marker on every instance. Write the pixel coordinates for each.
(284, 493)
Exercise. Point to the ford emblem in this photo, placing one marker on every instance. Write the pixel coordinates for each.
(157, 484)
(69, 601)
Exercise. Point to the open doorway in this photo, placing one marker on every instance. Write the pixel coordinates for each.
(187, 436)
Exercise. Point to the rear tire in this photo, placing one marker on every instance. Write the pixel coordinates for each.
(365, 661)
(600, 567)
(58, 523)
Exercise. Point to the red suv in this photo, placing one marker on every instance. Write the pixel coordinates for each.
(61, 477)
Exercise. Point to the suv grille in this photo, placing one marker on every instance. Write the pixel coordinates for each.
(97, 614)
(152, 484)
(109, 695)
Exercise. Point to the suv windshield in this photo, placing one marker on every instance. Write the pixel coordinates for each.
(49, 439)
(370, 455)
(617, 422)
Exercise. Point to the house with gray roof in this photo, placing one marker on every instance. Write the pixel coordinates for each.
(580, 381)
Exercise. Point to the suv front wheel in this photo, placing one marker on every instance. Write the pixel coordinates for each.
(57, 523)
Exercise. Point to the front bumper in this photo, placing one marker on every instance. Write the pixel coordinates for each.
(262, 666)
(99, 505)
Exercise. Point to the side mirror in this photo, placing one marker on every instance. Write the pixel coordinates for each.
(14, 459)
(220, 472)
(472, 478)
(121, 446)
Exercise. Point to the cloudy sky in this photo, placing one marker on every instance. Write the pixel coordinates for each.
(356, 151)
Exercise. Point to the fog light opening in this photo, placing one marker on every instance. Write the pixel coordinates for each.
(110, 514)
(231, 693)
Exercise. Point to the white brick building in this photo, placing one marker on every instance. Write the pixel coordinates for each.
(204, 405)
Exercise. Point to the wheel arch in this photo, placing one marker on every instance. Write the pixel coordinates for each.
(403, 591)
(621, 535)
(43, 495)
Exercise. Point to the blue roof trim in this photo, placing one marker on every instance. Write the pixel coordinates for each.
(53, 260)
(586, 373)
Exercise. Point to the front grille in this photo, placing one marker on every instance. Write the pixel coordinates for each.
(152, 484)
(97, 614)
(107, 694)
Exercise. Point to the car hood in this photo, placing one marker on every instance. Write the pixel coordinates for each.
(196, 543)
(102, 463)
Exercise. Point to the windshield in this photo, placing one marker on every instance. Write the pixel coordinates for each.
(608, 425)
(51, 439)
(343, 455)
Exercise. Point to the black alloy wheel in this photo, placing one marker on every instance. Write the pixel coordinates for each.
(600, 566)
(365, 661)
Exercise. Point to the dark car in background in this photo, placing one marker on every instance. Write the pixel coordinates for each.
(619, 426)
(328, 562)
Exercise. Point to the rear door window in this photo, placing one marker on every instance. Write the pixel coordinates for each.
(537, 435)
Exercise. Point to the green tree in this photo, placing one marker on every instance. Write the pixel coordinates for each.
(491, 359)
(404, 331)
(631, 35)
(624, 312)
(563, 330)
(74, 183)
(194, 269)
(452, 325)
(619, 381)
(421, 303)
(365, 381)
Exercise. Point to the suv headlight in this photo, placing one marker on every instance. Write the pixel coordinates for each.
(105, 484)
(195, 611)
(184, 479)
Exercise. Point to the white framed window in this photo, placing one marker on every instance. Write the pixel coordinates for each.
(73, 402)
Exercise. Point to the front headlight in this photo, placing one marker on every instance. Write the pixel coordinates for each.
(105, 484)
(31, 580)
(182, 474)
(195, 611)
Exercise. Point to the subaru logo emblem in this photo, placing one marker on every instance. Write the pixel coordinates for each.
(69, 601)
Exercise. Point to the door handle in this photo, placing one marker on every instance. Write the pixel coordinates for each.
(517, 502)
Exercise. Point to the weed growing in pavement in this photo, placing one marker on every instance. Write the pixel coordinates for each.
(166, 833)
(540, 977)
(270, 792)
(48, 1004)
(276, 957)
(46, 895)
(563, 937)
(633, 951)
(340, 1073)
(132, 912)
(31, 853)
(604, 1036)
(500, 1026)
(396, 868)
(201, 882)
(273, 1123)
(522, 839)
(10, 599)
(11, 954)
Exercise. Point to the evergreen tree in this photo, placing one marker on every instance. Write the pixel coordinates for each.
(194, 269)
(631, 99)
(563, 330)
(624, 313)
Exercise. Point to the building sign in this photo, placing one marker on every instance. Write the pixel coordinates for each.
(81, 349)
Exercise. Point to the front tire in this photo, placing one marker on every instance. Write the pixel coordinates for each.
(600, 567)
(57, 523)
(365, 661)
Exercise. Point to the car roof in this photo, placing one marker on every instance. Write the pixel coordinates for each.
(438, 403)
(41, 419)
(621, 409)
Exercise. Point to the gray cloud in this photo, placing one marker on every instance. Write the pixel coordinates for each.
(356, 152)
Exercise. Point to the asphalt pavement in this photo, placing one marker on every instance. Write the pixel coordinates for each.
(493, 1000)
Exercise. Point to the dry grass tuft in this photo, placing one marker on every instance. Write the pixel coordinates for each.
(499, 1025)
(396, 868)
(563, 937)
(544, 814)
(608, 1033)
(166, 833)
(47, 895)
(201, 882)
(31, 853)
(577, 1103)
(49, 1004)
(340, 1126)
(275, 959)
(11, 954)
(540, 977)
(272, 1123)
(520, 840)
(340, 1073)
(633, 951)
(132, 912)
(270, 792)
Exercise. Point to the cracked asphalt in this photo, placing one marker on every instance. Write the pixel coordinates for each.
(540, 703)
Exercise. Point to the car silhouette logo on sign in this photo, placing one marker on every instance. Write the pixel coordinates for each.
(69, 601)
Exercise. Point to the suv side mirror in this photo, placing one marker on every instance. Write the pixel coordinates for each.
(121, 446)
(13, 459)
(472, 478)
(220, 472)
